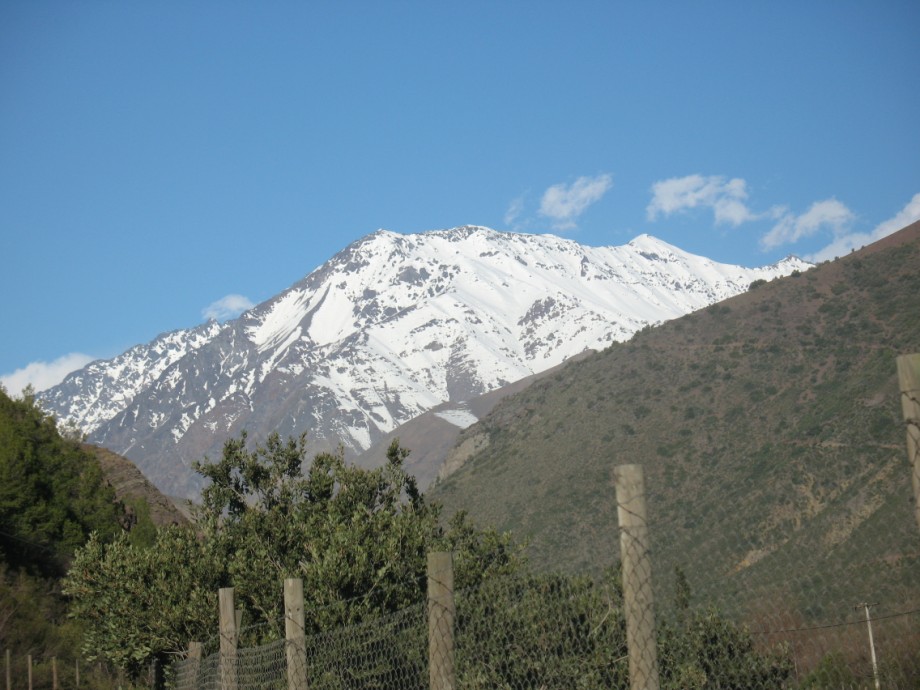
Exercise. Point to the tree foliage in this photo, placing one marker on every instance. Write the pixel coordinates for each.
(52, 493)
(52, 497)
(543, 630)
(137, 602)
(357, 538)
(704, 649)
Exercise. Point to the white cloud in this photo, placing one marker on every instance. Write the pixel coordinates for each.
(565, 203)
(829, 214)
(726, 198)
(44, 375)
(840, 246)
(845, 243)
(228, 307)
(515, 208)
(907, 215)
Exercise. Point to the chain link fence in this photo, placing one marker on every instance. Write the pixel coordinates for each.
(545, 631)
(389, 652)
(532, 631)
(833, 618)
(711, 605)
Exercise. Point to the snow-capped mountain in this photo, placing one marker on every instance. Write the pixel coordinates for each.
(388, 328)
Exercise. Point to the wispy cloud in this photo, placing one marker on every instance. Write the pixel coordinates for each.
(44, 375)
(227, 307)
(515, 208)
(726, 198)
(846, 242)
(565, 203)
(829, 214)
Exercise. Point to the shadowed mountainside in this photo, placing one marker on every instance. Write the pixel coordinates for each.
(131, 486)
(769, 426)
(432, 437)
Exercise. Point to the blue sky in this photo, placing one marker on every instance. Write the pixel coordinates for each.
(158, 159)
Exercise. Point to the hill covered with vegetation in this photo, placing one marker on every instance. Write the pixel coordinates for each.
(770, 429)
(54, 493)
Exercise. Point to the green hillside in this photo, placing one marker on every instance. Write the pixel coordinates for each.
(771, 434)
(53, 494)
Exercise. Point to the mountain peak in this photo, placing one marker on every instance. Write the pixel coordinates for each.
(390, 327)
(648, 245)
(463, 231)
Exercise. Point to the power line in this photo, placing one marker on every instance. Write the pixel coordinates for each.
(26, 541)
(833, 625)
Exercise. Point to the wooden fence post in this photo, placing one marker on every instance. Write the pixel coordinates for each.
(194, 658)
(441, 614)
(29, 661)
(9, 674)
(637, 577)
(77, 673)
(54, 678)
(294, 634)
(195, 650)
(909, 380)
(229, 638)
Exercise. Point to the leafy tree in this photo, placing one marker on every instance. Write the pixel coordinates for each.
(52, 497)
(708, 650)
(358, 538)
(135, 602)
(143, 530)
(52, 493)
(539, 630)
(702, 649)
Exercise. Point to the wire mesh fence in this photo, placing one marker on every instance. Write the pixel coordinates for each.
(834, 614)
(561, 631)
(530, 631)
(832, 602)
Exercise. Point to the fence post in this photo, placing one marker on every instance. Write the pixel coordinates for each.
(29, 661)
(9, 674)
(229, 637)
(637, 577)
(294, 634)
(76, 671)
(54, 678)
(441, 621)
(194, 657)
(909, 380)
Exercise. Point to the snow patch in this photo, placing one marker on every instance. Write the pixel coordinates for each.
(458, 417)
(283, 317)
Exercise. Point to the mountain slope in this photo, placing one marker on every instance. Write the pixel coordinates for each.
(432, 435)
(769, 426)
(133, 489)
(385, 330)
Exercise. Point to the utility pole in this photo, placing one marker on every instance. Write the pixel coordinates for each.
(866, 606)
(909, 382)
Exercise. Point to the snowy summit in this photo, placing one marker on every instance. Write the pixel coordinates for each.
(387, 329)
